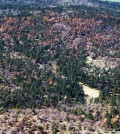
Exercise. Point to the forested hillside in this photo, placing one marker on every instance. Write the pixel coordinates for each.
(45, 53)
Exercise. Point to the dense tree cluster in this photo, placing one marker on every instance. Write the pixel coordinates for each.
(39, 66)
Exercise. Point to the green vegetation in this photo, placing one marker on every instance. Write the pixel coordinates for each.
(43, 57)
